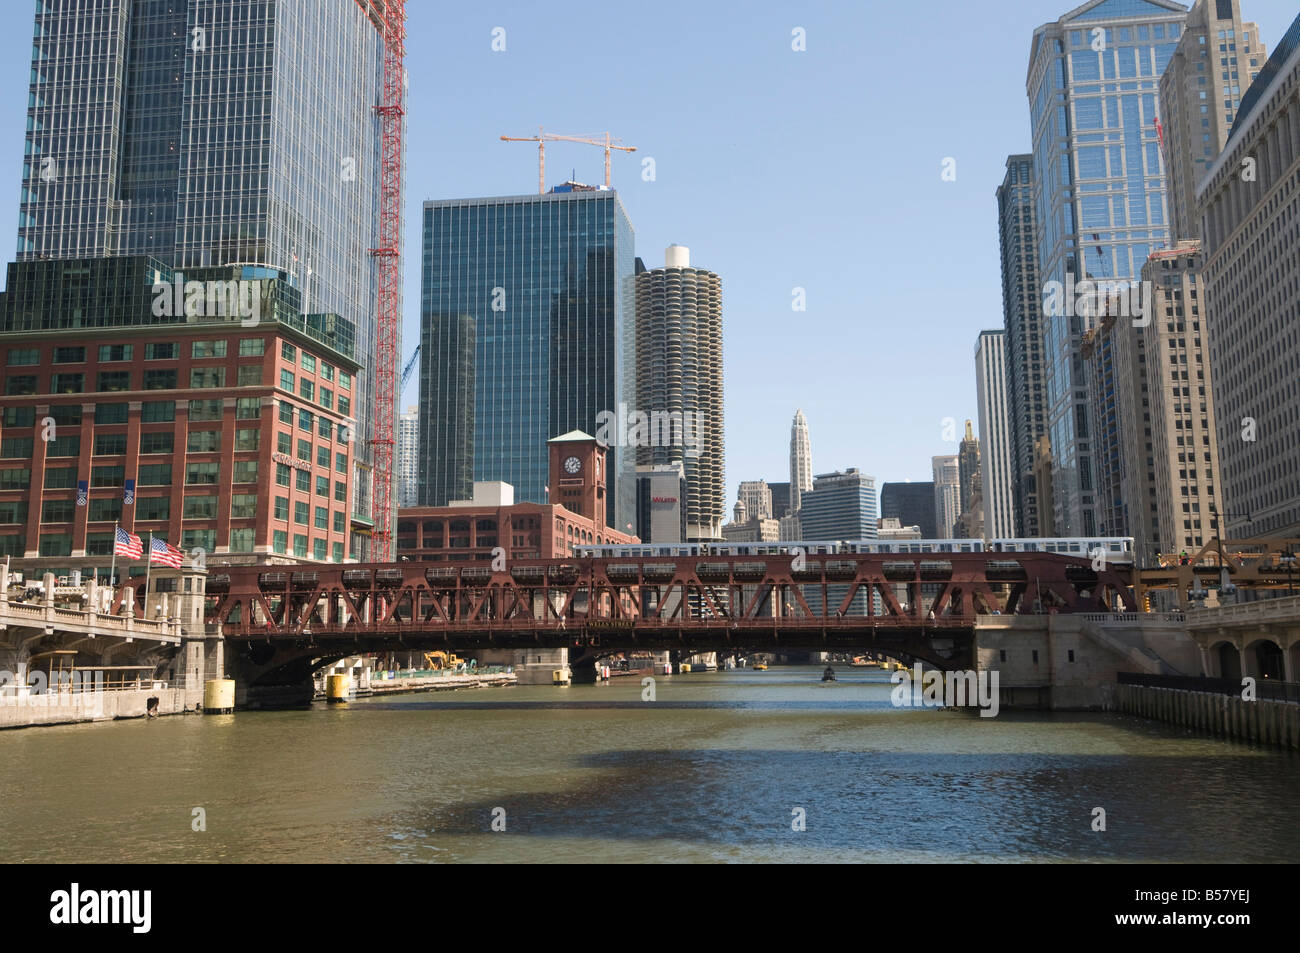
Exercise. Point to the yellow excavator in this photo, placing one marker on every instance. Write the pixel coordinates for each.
(443, 661)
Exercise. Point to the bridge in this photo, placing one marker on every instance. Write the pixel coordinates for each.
(280, 623)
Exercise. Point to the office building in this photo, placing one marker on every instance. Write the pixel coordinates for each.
(548, 281)
(1251, 231)
(679, 382)
(250, 141)
(660, 503)
(801, 475)
(947, 494)
(840, 505)
(1099, 202)
(445, 461)
(757, 497)
(1218, 56)
(408, 443)
(996, 433)
(890, 528)
(912, 504)
(780, 499)
(971, 492)
(235, 440)
(1022, 318)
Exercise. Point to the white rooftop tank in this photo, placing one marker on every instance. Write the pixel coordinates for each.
(677, 256)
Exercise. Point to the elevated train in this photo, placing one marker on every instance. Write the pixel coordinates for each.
(1116, 549)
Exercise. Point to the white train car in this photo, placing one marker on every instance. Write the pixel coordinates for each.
(1116, 549)
(909, 546)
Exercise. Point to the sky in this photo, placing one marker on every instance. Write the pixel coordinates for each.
(818, 169)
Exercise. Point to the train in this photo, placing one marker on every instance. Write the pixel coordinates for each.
(1116, 549)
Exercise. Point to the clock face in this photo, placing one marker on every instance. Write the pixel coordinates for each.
(572, 465)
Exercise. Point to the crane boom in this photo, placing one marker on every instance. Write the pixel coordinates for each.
(410, 366)
(543, 137)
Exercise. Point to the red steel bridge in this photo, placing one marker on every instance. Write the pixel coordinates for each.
(285, 621)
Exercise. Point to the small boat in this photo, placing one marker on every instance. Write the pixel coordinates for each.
(828, 675)
(760, 666)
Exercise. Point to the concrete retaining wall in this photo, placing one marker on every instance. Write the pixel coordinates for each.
(67, 708)
(1226, 716)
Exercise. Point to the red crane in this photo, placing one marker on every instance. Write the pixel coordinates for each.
(391, 110)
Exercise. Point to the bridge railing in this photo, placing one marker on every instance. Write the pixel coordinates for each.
(1268, 688)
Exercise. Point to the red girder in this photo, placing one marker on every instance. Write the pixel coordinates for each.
(685, 594)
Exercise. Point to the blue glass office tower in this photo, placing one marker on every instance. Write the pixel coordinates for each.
(548, 281)
(212, 132)
(1099, 199)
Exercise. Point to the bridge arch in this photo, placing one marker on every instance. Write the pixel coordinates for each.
(1263, 658)
(1225, 660)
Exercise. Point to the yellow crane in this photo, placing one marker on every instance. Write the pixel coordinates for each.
(542, 138)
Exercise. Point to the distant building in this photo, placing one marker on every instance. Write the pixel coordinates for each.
(752, 530)
(997, 477)
(841, 505)
(912, 504)
(889, 528)
(660, 503)
(970, 520)
(801, 475)
(780, 499)
(947, 494)
(408, 444)
(445, 465)
(757, 497)
(679, 376)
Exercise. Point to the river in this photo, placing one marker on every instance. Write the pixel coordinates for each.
(719, 767)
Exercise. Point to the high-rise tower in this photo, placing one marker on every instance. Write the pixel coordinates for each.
(801, 475)
(679, 382)
(995, 434)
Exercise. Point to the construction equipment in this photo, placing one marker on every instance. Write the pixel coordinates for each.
(544, 137)
(410, 366)
(443, 661)
(388, 311)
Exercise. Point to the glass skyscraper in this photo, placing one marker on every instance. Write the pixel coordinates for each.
(205, 133)
(1099, 200)
(548, 281)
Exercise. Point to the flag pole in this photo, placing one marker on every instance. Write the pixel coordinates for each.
(148, 566)
(113, 565)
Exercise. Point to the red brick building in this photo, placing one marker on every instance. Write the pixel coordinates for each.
(459, 533)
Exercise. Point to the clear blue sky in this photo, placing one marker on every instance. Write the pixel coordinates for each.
(817, 169)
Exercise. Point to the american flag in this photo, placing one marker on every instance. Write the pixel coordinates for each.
(160, 551)
(127, 544)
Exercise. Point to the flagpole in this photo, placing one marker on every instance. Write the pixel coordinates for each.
(113, 565)
(147, 567)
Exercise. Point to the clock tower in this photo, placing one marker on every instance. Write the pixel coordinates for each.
(578, 475)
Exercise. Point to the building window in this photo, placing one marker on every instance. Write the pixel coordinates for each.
(56, 544)
(58, 511)
(306, 420)
(66, 415)
(340, 492)
(308, 362)
(208, 377)
(153, 507)
(323, 457)
(338, 552)
(204, 539)
(339, 526)
(282, 507)
(201, 350)
(107, 476)
(99, 544)
(69, 383)
(245, 471)
(247, 439)
(287, 381)
(110, 444)
(280, 541)
(114, 380)
(302, 480)
(66, 447)
(286, 413)
(299, 545)
(248, 408)
(306, 389)
(203, 441)
(326, 372)
(345, 380)
(108, 353)
(155, 474)
(161, 352)
(69, 355)
(157, 411)
(163, 442)
(200, 508)
(340, 463)
(323, 486)
(111, 413)
(17, 478)
(322, 518)
(301, 512)
(23, 356)
(242, 540)
(13, 544)
(160, 380)
(324, 428)
(345, 405)
(13, 511)
(16, 448)
(282, 474)
(19, 416)
(202, 474)
(20, 384)
(304, 450)
(283, 443)
(288, 351)
(252, 347)
(205, 410)
(318, 549)
(250, 375)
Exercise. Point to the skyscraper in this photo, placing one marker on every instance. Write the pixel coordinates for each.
(757, 497)
(1218, 56)
(947, 494)
(408, 443)
(912, 504)
(840, 505)
(445, 463)
(548, 279)
(801, 476)
(1252, 285)
(679, 380)
(968, 468)
(1099, 199)
(995, 434)
(205, 134)
(1023, 321)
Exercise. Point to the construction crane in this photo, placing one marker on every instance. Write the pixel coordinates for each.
(391, 19)
(542, 138)
(410, 366)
